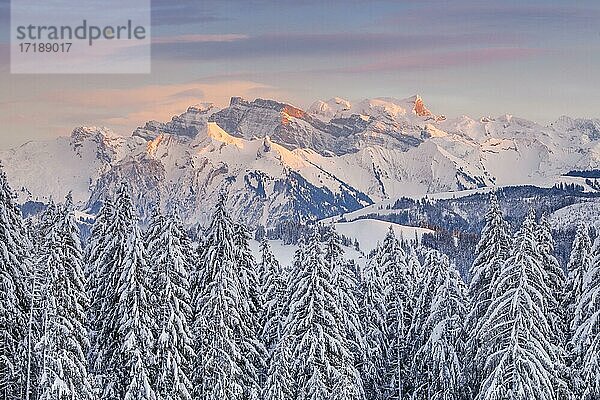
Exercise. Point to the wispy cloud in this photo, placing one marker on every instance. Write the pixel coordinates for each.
(443, 60)
(131, 107)
(222, 47)
(194, 12)
(505, 15)
(167, 12)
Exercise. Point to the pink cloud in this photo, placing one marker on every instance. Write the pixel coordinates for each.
(132, 107)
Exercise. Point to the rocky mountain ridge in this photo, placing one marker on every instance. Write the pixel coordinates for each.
(278, 162)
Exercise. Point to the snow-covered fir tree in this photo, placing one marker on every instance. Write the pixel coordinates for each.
(424, 296)
(295, 269)
(125, 342)
(167, 322)
(314, 328)
(37, 296)
(555, 277)
(374, 319)
(491, 253)
(273, 288)
(251, 301)
(280, 383)
(14, 270)
(414, 265)
(315, 387)
(248, 273)
(46, 261)
(169, 257)
(99, 283)
(438, 365)
(345, 283)
(586, 331)
(64, 344)
(46, 221)
(227, 345)
(400, 283)
(95, 253)
(580, 262)
(556, 282)
(348, 383)
(521, 355)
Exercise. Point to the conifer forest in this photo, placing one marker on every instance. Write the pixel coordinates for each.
(149, 312)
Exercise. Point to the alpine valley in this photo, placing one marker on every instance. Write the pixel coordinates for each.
(277, 162)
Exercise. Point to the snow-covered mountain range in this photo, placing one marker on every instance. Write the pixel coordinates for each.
(277, 161)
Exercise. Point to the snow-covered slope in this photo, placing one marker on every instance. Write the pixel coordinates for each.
(277, 161)
(369, 232)
(265, 182)
(41, 171)
(586, 212)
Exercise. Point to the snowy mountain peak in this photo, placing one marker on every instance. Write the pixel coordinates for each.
(387, 108)
(240, 102)
(200, 108)
(186, 125)
(275, 159)
(152, 145)
(83, 133)
(330, 108)
(215, 132)
(288, 112)
(100, 140)
(337, 106)
(419, 107)
(342, 102)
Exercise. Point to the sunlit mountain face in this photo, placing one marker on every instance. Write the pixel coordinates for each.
(277, 161)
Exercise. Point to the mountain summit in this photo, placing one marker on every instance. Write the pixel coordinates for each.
(277, 161)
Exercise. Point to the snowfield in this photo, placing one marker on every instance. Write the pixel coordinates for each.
(587, 213)
(370, 232)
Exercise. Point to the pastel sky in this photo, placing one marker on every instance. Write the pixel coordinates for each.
(538, 59)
